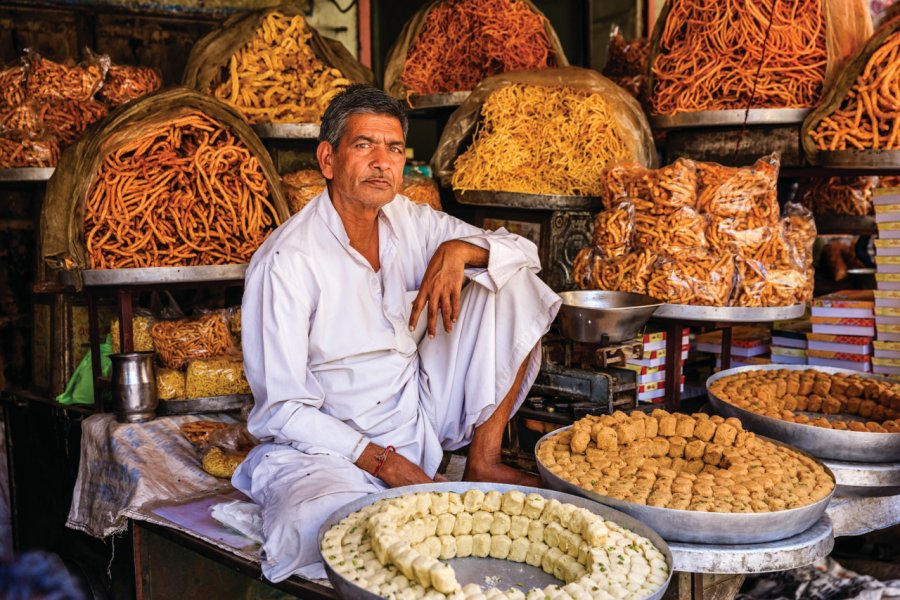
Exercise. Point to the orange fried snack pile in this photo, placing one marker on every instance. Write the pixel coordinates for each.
(124, 83)
(524, 126)
(185, 193)
(788, 395)
(869, 116)
(465, 41)
(276, 77)
(710, 51)
(684, 462)
(699, 233)
(46, 106)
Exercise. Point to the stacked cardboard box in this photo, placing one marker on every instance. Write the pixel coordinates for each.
(843, 325)
(789, 342)
(749, 345)
(651, 369)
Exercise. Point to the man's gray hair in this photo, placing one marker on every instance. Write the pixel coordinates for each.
(358, 99)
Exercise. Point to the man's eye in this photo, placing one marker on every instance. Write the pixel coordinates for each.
(397, 149)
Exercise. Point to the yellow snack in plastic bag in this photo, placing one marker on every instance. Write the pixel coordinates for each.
(216, 377)
(170, 384)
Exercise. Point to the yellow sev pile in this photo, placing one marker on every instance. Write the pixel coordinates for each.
(541, 140)
(276, 77)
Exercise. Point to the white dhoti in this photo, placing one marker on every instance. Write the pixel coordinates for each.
(461, 379)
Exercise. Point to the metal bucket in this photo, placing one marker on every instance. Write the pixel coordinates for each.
(134, 387)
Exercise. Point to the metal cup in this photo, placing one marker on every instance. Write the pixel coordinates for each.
(134, 387)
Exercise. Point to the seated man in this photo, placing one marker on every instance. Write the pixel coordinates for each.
(351, 397)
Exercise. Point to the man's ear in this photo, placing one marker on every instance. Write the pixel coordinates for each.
(325, 155)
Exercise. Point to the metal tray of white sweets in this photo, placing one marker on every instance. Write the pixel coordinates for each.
(735, 117)
(852, 446)
(501, 574)
(693, 526)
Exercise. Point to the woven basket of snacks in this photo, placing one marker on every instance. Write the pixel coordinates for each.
(272, 67)
(174, 179)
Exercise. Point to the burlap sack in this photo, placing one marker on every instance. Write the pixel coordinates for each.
(835, 95)
(396, 57)
(213, 51)
(62, 216)
(848, 24)
(632, 122)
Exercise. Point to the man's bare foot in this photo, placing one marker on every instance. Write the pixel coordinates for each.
(500, 473)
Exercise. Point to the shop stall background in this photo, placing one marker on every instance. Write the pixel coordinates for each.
(43, 325)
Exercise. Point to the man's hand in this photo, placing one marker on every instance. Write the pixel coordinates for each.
(396, 471)
(442, 283)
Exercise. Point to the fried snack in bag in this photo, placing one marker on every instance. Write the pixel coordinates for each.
(223, 376)
(699, 278)
(746, 193)
(679, 231)
(653, 191)
(179, 341)
(838, 195)
(170, 384)
(613, 229)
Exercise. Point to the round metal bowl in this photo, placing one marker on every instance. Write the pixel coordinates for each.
(604, 317)
(697, 527)
(849, 446)
(868, 480)
(735, 117)
(448, 99)
(475, 570)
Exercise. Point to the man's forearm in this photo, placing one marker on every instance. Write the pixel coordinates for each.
(475, 256)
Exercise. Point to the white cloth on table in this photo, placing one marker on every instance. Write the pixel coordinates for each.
(333, 365)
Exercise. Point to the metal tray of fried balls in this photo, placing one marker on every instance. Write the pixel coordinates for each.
(697, 520)
(483, 540)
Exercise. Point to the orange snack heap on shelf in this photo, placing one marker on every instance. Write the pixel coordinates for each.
(184, 193)
(710, 51)
(465, 41)
(124, 83)
(869, 116)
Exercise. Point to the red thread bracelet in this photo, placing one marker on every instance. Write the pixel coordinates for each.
(382, 458)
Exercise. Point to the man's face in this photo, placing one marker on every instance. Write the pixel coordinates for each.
(367, 167)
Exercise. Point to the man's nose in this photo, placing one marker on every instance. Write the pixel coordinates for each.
(381, 157)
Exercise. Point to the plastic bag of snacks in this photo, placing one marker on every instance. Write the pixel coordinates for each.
(45, 78)
(222, 376)
(421, 189)
(20, 149)
(626, 273)
(182, 340)
(759, 285)
(727, 235)
(124, 83)
(300, 187)
(626, 64)
(699, 278)
(12, 85)
(748, 194)
(679, 231)
(654, 191)
(170, 384)
(613, 230)
(799, 227)
(838, 195)
(140, 333)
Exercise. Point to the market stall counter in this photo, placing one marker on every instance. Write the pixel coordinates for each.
(150, 474)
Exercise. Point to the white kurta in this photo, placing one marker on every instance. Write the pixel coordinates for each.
(333, 365)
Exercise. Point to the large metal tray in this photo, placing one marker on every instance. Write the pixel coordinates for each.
(27, 174)
(155, 275)
(597, 316)
(474, 570)
(860, 159)
(865, 479)
(852, 446)
(730, 118)
(196, 406)
(700, 527)
(287, 131)
(532, 201)
(729, 314)
(790, 553)
(451, 99)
